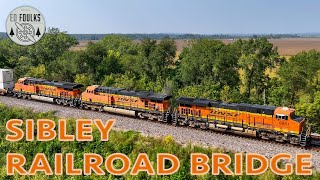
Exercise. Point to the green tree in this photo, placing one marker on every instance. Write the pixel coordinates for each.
(22, 67)
(154, 59)
(257, 55)
(226, 70)
(162, 58)
(37, 72)
(310, 108)
(65, 67)
(104, 57)
(208, 61)
(278, 94)
(110, 64)
(143, 64)
(197, 61)
(10, 53)
(228, 94)
(93, 56)
(84, 79)
(52, 45)
(300, 74)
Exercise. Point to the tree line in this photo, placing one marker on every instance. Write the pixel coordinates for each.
(159, 36)
(184, 36)
(249, 71)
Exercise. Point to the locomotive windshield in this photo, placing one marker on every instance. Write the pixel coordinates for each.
(296, 118)
(281, 117)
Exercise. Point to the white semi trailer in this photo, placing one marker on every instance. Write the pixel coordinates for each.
(6, 81)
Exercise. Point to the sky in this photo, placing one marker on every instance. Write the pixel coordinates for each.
(174, 16)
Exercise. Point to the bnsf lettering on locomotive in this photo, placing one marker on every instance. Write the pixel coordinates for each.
(123, 99)
(216, 112)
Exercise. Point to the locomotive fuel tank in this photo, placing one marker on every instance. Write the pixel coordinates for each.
(119, 111)
(42, 98)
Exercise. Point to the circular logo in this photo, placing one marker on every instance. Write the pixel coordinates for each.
(25, 25)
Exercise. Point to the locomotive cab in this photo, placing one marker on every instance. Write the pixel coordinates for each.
(287, 121)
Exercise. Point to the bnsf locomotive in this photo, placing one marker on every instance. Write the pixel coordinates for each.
(266, 122)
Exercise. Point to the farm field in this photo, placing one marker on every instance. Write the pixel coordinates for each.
(286, 46)
(292, 46)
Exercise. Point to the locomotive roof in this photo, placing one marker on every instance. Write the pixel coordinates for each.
(186, 100)
(264, 106)
(159, 97)
(141, 94)
(254, 108)
(127, 93)
(65, 85)
(201, 102)
(108, 89)
(232, 106)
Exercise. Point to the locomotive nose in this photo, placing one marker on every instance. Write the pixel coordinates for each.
(301, 123)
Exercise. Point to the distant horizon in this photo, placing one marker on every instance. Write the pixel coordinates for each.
(173, 33)
(206, 17)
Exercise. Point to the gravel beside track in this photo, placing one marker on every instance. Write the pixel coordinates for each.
(182, 135)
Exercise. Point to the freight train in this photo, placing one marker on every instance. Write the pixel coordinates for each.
(266, 122)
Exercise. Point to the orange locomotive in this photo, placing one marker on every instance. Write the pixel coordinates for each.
(117, 100)
(63, 93)
(267, 122)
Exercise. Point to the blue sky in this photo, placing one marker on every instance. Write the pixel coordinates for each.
(175, 16)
